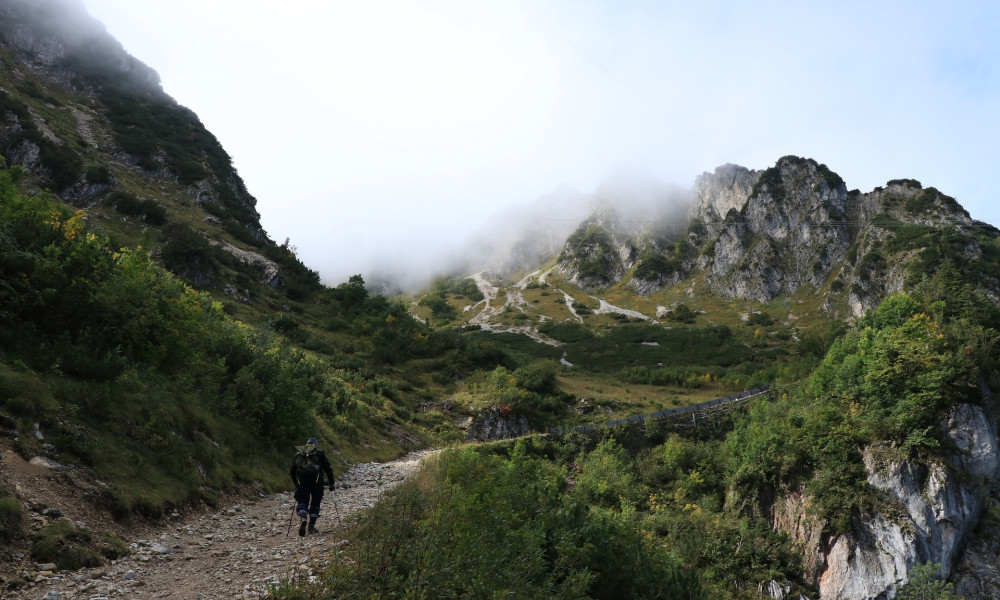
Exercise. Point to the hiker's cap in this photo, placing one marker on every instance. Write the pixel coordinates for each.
(312, 441)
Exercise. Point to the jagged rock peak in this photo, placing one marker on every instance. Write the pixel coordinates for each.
(728, 188)
(776, 229)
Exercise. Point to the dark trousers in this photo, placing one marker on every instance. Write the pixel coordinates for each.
(308, 496)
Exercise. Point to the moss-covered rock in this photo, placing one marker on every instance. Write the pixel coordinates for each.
(72, 547)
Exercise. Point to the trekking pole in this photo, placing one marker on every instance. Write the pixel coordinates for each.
(336, 509)
(291, 516)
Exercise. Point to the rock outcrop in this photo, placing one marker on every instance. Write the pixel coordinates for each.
(757, 235)
(496, 423)
(933, 510)
(787, 230)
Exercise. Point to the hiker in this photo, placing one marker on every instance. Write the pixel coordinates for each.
(308, 468)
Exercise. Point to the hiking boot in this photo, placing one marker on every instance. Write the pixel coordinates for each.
(302, 528)
(312, 525)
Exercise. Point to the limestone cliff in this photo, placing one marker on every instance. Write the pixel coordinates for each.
(931, 515)
(758, 235)
(789, 230)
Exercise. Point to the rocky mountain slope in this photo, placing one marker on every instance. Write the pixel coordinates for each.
(82, 118)
(794, 233)
(793, 228)
(92, 124)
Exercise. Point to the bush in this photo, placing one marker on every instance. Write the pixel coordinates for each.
(925, 583)
(185, 249)
(683, 314)
(607, 478)
(99, 175)
(476, 525)
(11, 518)
(537, 377)
(149, 211)
(71, 547)
(567, 331)
(440, 309)
(759, 319)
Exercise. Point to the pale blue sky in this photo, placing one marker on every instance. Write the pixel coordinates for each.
(368, 127)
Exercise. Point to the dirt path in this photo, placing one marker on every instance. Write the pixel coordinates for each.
(231, 553)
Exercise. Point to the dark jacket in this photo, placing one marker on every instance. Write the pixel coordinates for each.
(317, 479)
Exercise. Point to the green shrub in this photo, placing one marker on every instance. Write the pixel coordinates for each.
(539, 377)
(566, 331)
(683, 314)
(149, 211)
(606, 476)
(460, 288)
(925, 583)
(476, 525)
(759, 319)
(25, 395)
(71, 547)
(11, 518)
(888, 381)
(440, 309)
(185, 249)
(99, 175)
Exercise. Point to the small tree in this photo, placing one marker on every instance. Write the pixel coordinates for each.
(926, 584)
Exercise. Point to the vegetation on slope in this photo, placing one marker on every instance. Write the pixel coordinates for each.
(476, 524)
(168, 399)
(149, 384)
(592, 251)
(886, 384)
(679, 512)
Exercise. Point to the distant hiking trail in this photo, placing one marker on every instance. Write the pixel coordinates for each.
(234, 552)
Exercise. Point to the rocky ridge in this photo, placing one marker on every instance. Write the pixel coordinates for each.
(761, 234)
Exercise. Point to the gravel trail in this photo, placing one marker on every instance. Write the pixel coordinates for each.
(234, 552)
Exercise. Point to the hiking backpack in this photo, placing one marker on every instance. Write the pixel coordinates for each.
(307, 463)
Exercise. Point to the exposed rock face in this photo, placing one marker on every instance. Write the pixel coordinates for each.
(760, 234)
(935, 511)
(937, 515)
(492, 424)
(629, 214)
(977, 573)
(728, 188)
(790, 513)
(266, 269)
(776, 230)
(598, 254)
